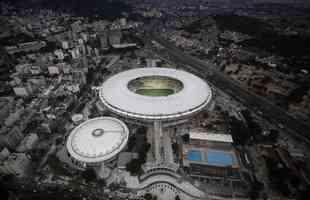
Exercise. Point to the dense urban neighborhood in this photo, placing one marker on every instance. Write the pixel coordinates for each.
(149, 99)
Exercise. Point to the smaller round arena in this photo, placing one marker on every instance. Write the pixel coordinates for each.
(96, 141)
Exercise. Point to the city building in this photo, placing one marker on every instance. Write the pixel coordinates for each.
(104, 40)
(27, 46)
(5, 104)
(65, 44)
(115, 37)
(75, 53)
(53, 70)
(59, 54)
(123, 21)
(12, 138)
(22, 91)
(77, 119)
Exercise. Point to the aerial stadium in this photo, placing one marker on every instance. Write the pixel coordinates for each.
(155, 94)
(97, 141)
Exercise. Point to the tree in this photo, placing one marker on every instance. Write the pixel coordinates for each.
(175, 147)
(273, 136)
(101, 182)
(142, 130)
(256, 187)
(131, 142)
(89, 175)
(58, 140)
(239, 131)
(185, 138)
(56, 166)
(149, 196)
(134, 166)
(253, 126)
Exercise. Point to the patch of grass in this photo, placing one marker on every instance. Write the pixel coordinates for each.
(155, 92)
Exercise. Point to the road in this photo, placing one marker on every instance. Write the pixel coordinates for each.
(274, 114)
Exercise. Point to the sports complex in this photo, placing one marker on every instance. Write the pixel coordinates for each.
(157, 98)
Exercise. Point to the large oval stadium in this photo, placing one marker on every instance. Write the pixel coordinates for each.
(155, 94)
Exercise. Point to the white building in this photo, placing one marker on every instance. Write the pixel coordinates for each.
(123, 21)
(84, 36)
(75, 53)
(21, 91)
(52, 70)
(80, 41)
(151, 62)
(65, 44)
(59, 54)
(77, 118)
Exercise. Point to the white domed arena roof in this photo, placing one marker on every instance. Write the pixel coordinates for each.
(97, 140)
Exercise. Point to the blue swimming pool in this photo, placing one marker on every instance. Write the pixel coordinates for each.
(194, 155)
(220, 158)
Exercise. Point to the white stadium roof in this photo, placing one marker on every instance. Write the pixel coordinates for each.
(115, 95)
(97, 140)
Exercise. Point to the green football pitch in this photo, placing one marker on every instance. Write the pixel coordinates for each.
(155, 92)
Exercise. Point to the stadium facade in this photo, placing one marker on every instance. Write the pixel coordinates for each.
(155, 94)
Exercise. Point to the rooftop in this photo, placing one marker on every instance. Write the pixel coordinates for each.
(194, 95)
(97, 140)
(210, 136)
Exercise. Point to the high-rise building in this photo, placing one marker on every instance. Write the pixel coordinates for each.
(104, 40)
(84, 37)
(123, 21)
(115, 37)
(65, 44)
(75, 53)
(78, 76)
(82, 49)
(89, 50)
